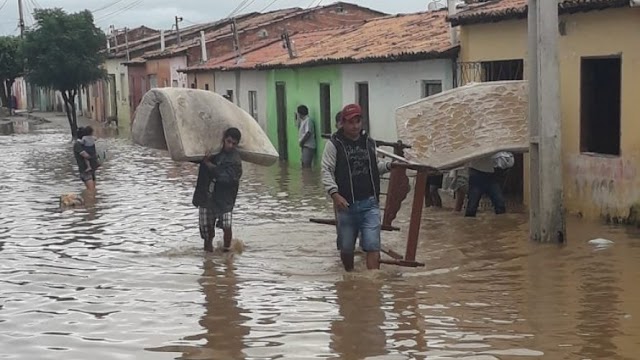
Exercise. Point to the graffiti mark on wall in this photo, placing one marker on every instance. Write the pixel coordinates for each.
(607, 183)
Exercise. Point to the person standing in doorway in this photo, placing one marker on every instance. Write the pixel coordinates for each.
(306, 136)
(217, 189)
(482, 180)
(351, 176)
(432, 194)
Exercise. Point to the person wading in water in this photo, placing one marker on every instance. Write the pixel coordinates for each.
(217, 189)
(351, 176)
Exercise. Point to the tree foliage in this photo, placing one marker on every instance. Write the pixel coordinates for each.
(63, 52)
(11, 65)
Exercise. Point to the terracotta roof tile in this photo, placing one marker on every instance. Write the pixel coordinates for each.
(399, 37)
(500, 10)
(266, 50)
(244, 24)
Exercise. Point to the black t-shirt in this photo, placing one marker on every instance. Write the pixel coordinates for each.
(77, 149)
(358, 157)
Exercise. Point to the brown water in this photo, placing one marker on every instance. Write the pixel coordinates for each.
(125, 278)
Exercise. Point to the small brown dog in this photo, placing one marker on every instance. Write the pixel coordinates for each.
(71, 200)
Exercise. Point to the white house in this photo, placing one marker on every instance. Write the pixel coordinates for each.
(247, 89)
(383, 87)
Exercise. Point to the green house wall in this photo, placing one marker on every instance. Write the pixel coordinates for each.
(302, 88)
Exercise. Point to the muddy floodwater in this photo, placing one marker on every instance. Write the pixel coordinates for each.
(125, 277)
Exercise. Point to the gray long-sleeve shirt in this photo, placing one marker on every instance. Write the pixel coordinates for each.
(329, 161)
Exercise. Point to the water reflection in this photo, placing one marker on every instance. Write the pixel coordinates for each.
(359, 333)
(222, 321)
(124, 276)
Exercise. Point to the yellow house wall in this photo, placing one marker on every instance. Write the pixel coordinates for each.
(595, 186)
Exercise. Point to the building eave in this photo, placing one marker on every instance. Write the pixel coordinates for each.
(451, 53)
(569, 7)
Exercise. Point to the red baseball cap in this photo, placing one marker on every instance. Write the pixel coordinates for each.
(350, 111)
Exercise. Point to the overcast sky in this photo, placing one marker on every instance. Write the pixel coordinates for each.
(160, 14)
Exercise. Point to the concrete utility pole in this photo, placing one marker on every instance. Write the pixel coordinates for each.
(21, 21)
(178, 20)
(286, 37)
(29, 89)
(126, 42)
(547, 223)
(236, 38)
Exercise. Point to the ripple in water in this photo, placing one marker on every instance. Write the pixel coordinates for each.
(125, 276)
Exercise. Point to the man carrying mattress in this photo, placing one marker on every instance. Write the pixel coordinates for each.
(217, 189)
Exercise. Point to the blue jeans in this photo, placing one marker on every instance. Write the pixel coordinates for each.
(362, 216)
(481, 183)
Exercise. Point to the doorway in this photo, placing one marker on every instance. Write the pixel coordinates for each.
(508, 70)
(113, 105)
(362, 94)
(325, 108)
(281, 110)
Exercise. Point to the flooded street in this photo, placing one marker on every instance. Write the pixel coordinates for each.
(125, 277)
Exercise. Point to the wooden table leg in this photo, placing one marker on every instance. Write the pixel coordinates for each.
(416, 215)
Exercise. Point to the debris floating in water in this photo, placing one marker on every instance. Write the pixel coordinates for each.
(601, 243)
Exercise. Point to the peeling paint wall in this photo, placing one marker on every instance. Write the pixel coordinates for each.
(178, 79)
(601, 186)
(596, 186)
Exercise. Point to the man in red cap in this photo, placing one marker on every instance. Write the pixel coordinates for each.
(351, 176)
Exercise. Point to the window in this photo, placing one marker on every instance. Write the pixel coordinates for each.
(600, 105)
(503, 70)
(431, 87)
(206, 86)
(174, 83)
(362, 96)
(325, 108)
(253, 104)
(229, 95)
(193, 85)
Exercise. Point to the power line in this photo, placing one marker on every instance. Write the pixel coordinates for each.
(29, 12)
(235, 11)
(246, 6)
(119, 11)
(107, 6)
(3, 4)
(314, 2)
(268, 6)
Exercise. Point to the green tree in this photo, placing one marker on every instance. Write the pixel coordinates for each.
(63, 52)
(11, 65)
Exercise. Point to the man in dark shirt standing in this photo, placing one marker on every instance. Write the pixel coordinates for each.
(81, 155)
(351, 176)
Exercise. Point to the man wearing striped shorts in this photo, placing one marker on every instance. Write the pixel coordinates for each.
(217, 189)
